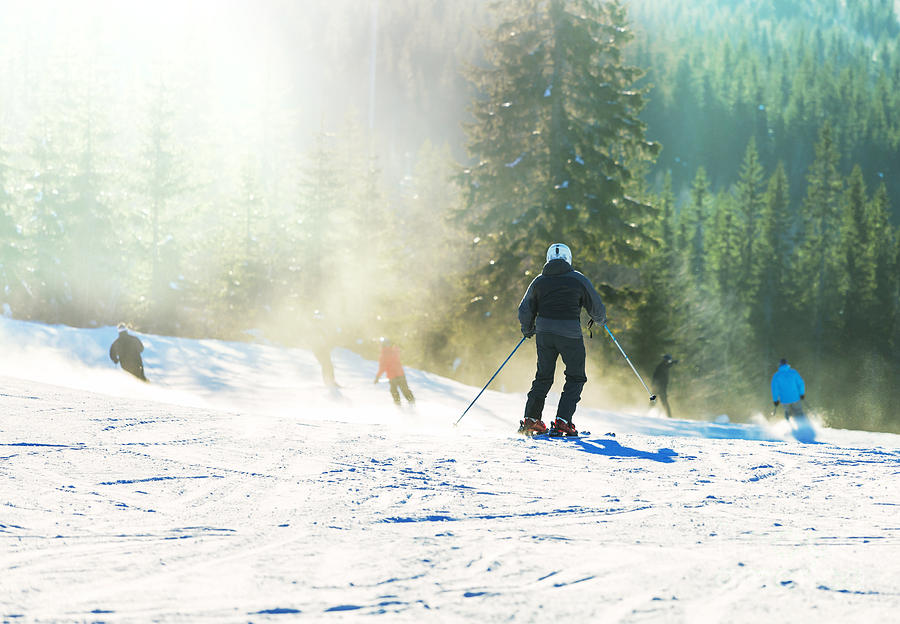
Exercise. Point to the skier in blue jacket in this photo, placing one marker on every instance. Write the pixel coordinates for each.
(788, 388)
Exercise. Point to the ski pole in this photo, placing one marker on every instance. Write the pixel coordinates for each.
(490, 380)
(775, 410)
(652, 396)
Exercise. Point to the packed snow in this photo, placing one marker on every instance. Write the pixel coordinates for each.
(235, 487)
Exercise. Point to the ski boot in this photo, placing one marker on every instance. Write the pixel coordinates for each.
(530, 427)
(560, 428)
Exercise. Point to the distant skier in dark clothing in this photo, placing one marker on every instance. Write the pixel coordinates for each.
(322, 340)
(788, 388)
(551, 308)
(126, 350)
(661, 381)
(322, 353)
(389, 363)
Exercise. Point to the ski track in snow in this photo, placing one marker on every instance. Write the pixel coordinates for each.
(126, 502)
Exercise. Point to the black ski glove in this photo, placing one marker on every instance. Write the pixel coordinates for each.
(776, 403)
(528, 332)
(802, 396)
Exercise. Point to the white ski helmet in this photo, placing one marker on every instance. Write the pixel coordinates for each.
(558, 251)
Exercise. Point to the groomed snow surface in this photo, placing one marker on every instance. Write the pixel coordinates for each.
(235, 488)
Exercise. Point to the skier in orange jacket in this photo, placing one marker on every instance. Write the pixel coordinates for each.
(389, 363)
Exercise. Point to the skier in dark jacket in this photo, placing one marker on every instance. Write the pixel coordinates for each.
(551, 308)
(661, 381)
(126, 350)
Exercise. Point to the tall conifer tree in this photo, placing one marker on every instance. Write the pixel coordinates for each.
(816, 280)
(748, 205)
(724, 246)
(97, 270)
(857, 267)
(314, 232)
(163, 179)
(883, 237)
(667, 215)
(773, 260)
(692, 223)
(10, 239)
(555, 126)
(45, 222)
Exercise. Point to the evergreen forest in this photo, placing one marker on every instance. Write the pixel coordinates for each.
(726, 172)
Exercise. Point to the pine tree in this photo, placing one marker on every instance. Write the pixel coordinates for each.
(366, 241)
(724, 245)
(97, 269)
(691, 226)
(882, 239)
(667, 215)
(162, 181)
(319, 217)
(748, 206)
(555, 126)
(244, 290)
(858, 261)
(426, 237)
(10, 239)
(773, 266)
(816, 282)
(344, 234)
(655, 314)
(45, 223)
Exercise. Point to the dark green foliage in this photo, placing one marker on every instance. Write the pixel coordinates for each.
(769, 307)
(666, 230)
(555, 130)
(692, 223)
(857, 258)
(883, 242)
(819, 287)
(723, 74)
(817, 279)
(748, 207)
(725, 244)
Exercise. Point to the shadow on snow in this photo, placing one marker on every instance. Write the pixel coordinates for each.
(611, 448)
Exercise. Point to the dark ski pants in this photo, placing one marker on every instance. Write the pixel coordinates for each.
(135, 369)
(549, 347)
(398, 385)
(663, 396)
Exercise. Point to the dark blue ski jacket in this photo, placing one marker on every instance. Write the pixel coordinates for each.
(552, 304)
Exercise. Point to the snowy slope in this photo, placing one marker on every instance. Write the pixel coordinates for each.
(235, 488)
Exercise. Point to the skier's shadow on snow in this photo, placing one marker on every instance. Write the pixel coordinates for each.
(611, 448)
